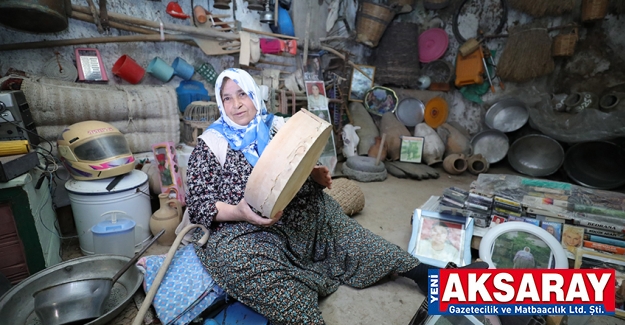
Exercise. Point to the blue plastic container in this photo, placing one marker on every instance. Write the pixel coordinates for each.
(189, 91)
(183, 69)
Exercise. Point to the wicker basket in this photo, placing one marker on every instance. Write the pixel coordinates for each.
(197, 117)
(594, 9)
(564, 44)
(372, 21)
(349, 196)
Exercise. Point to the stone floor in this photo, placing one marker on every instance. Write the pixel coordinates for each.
(389, 207)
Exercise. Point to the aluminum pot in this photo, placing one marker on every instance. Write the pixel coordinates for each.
(79, 301)
(536, 155)
(507, 115)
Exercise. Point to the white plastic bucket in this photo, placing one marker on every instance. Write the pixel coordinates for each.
(90, 201)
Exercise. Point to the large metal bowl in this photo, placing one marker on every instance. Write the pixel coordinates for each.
(536, 155)
(492, 144)
(507, 115)
(596, 164)
(17, 306)
(410, 111)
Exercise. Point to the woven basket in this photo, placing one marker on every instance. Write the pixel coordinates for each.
(564, 44)
(349, 196)
(197, 117)
(372, 21)
(594, 9)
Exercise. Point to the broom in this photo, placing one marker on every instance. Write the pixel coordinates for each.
(540, 8)
(527, 54)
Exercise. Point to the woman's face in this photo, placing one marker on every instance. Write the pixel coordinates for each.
(572, 239)
(315, 90)
(238, 106)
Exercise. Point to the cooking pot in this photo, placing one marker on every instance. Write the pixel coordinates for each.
(79, 301)
(37, 16)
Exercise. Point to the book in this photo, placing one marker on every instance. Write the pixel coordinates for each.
(605, 247)
(605, 240)
(604, 233)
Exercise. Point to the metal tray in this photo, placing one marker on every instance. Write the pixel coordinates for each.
(492, 144)
(507, 115)
(596, 164)
(17, 306)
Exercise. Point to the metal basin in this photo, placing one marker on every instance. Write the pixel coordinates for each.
(410, 111)
(492, 144)
(536, 155)
(507, 115)
(17, 306)
(596, 164)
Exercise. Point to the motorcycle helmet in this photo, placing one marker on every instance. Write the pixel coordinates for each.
(93, 149)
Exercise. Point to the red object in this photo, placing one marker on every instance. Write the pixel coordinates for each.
(129, 70)
(174, 10)
(270, 46)
(432, 44)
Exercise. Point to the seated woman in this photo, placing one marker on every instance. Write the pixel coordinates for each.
(281, 266)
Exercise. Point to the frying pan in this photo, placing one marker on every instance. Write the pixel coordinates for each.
(79, 301)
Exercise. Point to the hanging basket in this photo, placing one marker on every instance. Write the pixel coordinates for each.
(594, 9)
(372, 20)
(564, 44)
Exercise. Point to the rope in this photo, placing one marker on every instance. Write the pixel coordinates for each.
(59, 68)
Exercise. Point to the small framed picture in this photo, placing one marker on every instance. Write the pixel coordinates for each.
(572, 238)
(316, 95)
(438, 239)
(361, 83)
(411, 149)
(554, 228)
(520, 245)
(312, 68)
(589, 259)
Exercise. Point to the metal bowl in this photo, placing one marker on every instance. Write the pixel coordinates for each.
(536, 155)
(17, 306)
(492, 144)
(410, 111)
(596, 164)
(507, 115)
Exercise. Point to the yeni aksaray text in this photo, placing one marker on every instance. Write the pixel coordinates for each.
(521, 292)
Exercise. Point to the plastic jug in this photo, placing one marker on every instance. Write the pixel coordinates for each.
(115, 235)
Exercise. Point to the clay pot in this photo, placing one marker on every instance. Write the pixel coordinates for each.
(166, 217)
(477, 164)
(433, 146)
(578, 102)
(612, 101)
(373, 151)
(455, 141)
(455, 164)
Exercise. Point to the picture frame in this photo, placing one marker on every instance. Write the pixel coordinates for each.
(554, 228)
(439, 238)
(572, 239)
(590, 259)
(312, 68)
(411, 149)
(316, 96)
(504, 246)
(360, 83)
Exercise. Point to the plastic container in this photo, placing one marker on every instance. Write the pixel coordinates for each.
(128, 69)
(432, 44)
(189, 91)
(160, 69)
(182, 68)
(90, 200)
(115, 235)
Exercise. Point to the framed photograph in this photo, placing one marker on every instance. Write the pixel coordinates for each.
(497, 220)
(411, 149)
(361, 83)
(520, 245)
(312, 68)
(439, 238)
(572, 238)
(316, 95)
(589, 259)
(328, 156)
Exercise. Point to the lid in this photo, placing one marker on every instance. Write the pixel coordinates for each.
(109, 227)
(432, 44)
(130, 180)
(436, 112)
(410, 111)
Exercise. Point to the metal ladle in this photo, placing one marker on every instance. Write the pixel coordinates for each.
(80, 301)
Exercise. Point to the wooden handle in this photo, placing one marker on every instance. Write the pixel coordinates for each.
(379, 155)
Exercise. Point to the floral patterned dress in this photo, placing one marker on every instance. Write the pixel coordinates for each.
(280, 271)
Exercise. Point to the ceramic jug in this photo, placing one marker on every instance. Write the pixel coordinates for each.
(166, 217)
(455, 164)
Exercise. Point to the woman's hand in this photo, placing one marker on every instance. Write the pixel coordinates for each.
(321, 175)
(244, 210)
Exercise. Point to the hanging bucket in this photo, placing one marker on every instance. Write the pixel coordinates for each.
(564, 44)
(373, 19)
(594, 9)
